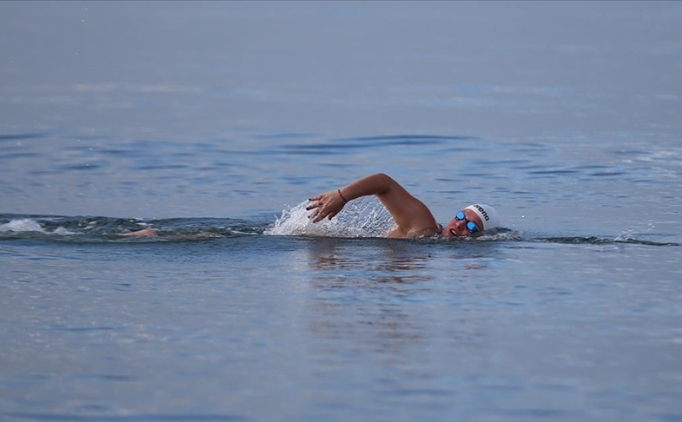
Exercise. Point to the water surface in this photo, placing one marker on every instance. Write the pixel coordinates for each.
(213, 122)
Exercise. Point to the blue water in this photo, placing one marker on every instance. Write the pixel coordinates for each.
(212, 123)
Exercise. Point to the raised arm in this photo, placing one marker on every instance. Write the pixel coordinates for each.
(412, 217)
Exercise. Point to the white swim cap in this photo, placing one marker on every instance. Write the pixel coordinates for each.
(487, 214)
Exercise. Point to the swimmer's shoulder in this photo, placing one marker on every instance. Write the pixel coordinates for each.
(398, 233)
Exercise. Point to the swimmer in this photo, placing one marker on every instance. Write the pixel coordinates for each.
(412, 217)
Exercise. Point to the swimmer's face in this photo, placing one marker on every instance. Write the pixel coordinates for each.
(457, 227)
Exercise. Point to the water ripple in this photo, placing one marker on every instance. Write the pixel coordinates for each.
(127, 417)
(20, 136)
(367, 142)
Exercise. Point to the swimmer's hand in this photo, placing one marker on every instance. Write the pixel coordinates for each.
(326, 205)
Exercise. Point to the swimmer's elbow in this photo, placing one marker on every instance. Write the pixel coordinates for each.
(384, 177)
(385, 182)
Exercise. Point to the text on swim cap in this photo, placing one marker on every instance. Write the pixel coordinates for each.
(480, 208)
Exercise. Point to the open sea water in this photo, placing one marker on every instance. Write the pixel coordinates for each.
(212, 123)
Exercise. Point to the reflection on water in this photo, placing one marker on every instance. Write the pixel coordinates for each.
(380, 296)
(396, 259)
(362, 304)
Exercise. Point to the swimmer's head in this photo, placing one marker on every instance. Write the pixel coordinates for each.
(487, 214)
(472, 221)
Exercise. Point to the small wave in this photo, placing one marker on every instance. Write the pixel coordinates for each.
(498, 235)
(107, 229)
(21, 225)
(369, 142)
(593, 240)
(20, 136)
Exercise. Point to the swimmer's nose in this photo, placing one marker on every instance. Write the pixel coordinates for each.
(460, 227)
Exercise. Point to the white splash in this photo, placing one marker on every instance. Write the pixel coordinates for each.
(63, 231)
(625, 236)
(22, 225)
(28, 225)
(363, 217)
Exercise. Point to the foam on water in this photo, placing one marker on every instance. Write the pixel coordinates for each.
(29, 225)
(364, 217)
(22, 225)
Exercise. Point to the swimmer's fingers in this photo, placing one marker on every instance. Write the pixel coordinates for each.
(321, 214)
(316, 202)
(326, 205)
(318, 216)
(327, 213)
(315, 215)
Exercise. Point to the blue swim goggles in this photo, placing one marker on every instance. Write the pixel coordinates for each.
(471, 226)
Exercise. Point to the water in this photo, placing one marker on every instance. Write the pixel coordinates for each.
(213, 122)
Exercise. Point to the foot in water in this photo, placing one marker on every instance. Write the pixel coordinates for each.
(143, 232)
